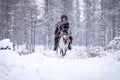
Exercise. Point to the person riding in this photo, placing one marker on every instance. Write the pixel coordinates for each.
(63, 25)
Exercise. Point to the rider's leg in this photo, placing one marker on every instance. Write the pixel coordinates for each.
(55, 43)
(69, 46)
(71, 38)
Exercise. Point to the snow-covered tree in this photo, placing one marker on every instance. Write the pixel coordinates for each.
(92, 22)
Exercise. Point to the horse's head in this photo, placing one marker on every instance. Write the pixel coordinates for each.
(64, 37)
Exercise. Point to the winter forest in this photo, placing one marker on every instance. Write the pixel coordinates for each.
(32, 22)
(27, 32)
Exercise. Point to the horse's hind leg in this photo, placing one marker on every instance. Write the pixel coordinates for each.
(62, 52)
(65, 52)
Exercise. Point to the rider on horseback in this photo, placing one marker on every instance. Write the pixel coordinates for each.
(63, 25)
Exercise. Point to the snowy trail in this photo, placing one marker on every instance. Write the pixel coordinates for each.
(39, 67)
(91, 69)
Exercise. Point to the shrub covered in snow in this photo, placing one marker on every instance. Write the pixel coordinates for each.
(79, 52)
(114, 44)
(115, 55)
(6, 44)
(95, 51)
(23, 50)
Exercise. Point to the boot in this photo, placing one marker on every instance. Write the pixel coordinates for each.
(69, 47)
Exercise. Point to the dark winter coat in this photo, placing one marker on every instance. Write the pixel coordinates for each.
(60, 25)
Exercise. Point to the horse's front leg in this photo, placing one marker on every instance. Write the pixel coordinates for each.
(60, 51)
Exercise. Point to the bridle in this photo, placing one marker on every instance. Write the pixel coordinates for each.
(65, 37)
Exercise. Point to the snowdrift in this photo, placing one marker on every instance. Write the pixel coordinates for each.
(78, 64)
(6, 44)
(37, 66)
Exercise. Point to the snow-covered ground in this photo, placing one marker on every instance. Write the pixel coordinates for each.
(47, 65)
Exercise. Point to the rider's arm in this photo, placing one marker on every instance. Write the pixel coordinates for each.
(56, 31)
(57, 28)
